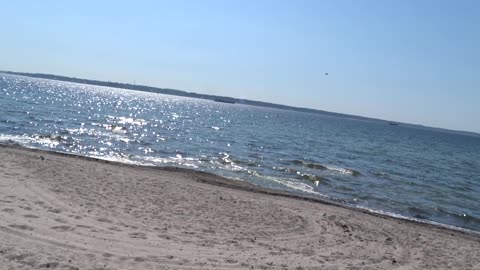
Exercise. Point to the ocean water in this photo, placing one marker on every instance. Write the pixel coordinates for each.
(419, 174)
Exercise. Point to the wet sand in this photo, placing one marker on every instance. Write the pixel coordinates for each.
(67, 212)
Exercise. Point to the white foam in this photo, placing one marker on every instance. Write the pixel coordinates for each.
(25, 140)
(177, 161)
(4, 138)
(341, 170)
(291, 184)
(395, 215)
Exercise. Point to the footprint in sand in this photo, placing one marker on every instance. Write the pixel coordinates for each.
(56, 211)
(167, 237)
(83, 226)
(137, 235)
(106, 220)
(62, 228)
(21, 257)
(107, 255)
(48, 265)
(21, 227)
(230, 260)
(31, 216)
(116, 229)
(59, 220)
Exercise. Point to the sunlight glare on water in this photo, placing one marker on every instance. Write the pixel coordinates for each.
(415, 173)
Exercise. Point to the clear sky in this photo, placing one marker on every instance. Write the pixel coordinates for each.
(410, 61)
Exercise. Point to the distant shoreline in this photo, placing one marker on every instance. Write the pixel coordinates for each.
(175, 92)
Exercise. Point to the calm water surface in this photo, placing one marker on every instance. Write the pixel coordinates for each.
(421, 174)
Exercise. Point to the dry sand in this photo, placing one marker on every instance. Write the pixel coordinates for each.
(66, 212)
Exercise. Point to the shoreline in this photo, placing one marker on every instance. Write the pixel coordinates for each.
(218, 180)
(59, 210)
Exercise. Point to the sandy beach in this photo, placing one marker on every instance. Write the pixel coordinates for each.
(67, 212)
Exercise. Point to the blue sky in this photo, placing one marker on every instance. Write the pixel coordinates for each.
(409, 61)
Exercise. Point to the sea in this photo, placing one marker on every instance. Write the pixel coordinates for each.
(399, 170)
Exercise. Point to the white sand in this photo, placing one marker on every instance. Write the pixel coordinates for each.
(66, 212)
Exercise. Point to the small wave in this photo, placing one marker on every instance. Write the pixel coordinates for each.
(315, 166)
(461, 218)
(92, 133)
(127, 120)
(14, 140)
(226, 162)
(7, 121)
(225, 159)
(118, 158)
(307, 164)
(249, 163)
(115, 128)
(383, 175)
(50, 140)
(418, 212)
(51, 137)
(313, 178)
(284, 169)
(316, 179)
(345, 171)
(468, 219)
(297, 162)
(175, 161)
(121, 138)
(299, 186)
(420, 220)
(318, 166)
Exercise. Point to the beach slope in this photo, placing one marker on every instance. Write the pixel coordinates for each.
(66, 212)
